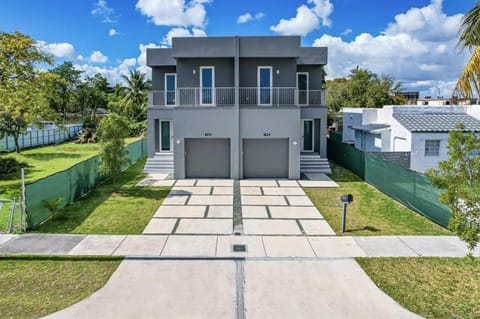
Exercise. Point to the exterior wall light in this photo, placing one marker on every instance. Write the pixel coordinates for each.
(178, 141)
(295, 142)
(278, 71)
(194, 71)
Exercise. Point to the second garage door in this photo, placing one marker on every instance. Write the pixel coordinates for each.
(265, 158)
(207, 158)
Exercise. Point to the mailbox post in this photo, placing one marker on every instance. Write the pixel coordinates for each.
(346, 199)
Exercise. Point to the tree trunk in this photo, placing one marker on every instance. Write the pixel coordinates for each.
(15, 138)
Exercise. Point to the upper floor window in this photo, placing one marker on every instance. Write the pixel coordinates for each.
(207, 85)
(170, 88)
(264, 81)
(432, 147)
(302, 88)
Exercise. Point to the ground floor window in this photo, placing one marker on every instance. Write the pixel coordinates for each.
(432, 147)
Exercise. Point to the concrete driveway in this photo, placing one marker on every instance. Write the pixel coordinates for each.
(237, 288)
(287, 271)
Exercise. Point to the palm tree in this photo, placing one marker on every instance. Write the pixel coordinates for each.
(470, 38)
(134, 103)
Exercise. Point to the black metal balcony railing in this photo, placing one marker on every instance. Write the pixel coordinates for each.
(248, 96)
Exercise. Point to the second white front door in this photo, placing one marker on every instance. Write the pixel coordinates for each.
(166, 136)
(308, 136)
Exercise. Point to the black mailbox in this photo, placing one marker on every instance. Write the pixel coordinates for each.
(346, 198)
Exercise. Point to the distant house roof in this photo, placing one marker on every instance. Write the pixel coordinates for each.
(437, 122)
(371, 128)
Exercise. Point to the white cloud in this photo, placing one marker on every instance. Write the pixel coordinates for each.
(142, 58)
(79, 57)
(244, 18)
(174, 12)
(347, 31)
(182, 32)
(248, 17)
(98, 57)
(112, 32)
(105, 12)
(59, 50)
(418, 49)
(307, 19)
(112, 74)
(323, 9)
(303, 23)
(259, 15)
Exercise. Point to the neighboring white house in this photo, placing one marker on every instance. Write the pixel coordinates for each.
(420, 130)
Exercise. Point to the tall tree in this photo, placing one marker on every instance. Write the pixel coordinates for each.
(363, 88)
(65, 88)
(92, 94)
(22, 97)
(459, 175)
(469, 80)
(135, 101)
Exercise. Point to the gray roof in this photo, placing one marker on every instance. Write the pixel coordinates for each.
(437, 122)
(371, 128)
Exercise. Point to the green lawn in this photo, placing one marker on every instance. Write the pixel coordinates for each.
(42, 162)
(125, 209)
(431, 287)
(33, 287)
(371, 212)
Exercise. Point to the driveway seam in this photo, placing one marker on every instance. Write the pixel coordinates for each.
(268, 211)
(240, 289)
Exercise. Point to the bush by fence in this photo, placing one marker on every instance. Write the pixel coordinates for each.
(410, 188)
(70, 184)
(41, 137)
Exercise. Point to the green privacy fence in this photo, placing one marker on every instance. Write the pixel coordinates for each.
(71, 184)
(346, 155)
(410, 188)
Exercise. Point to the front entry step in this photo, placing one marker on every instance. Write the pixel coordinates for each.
(314, 164)
(161, 163)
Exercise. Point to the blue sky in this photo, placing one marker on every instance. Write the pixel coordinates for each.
(412, 40)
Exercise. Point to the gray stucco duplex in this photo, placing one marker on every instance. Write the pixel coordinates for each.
(236, 107)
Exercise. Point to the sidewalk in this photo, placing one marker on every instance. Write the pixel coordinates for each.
(219, 246)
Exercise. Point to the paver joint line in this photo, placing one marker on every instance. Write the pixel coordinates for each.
(174, 230)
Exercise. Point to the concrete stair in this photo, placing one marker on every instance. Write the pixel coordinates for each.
(161, 163)
(314, 164)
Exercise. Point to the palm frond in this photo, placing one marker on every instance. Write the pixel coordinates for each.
(468, 82)
(470, 28)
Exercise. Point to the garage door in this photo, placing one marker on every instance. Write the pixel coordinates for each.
(265, 158)
(207, 158)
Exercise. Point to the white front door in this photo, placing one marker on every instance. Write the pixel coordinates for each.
(166, 136)
(308, 136)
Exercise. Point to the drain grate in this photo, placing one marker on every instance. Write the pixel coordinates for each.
(239, 248)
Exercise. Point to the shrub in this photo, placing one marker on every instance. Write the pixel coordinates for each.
(87, 135)
(138, 128)
(9, 165)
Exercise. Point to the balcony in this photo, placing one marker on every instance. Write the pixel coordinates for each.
(225, 96)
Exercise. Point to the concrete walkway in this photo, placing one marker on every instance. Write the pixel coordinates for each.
(221, 246)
